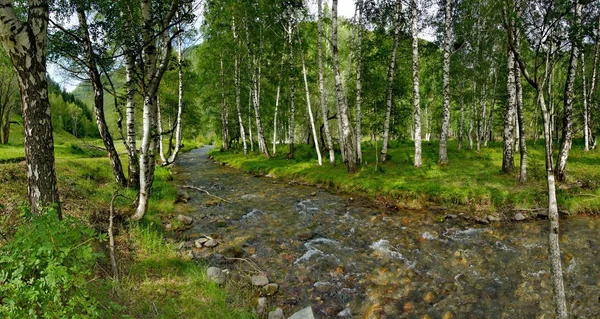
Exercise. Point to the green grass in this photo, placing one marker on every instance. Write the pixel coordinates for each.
(472, 180)
(155, 280)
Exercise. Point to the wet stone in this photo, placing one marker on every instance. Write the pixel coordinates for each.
(261, 305)
(276, 314)
(270, 289)
(306, 313)
(200, 242)
(186, 220)
(519, 217)
(259, 280)
(211, 243)
(215, 275)
(493, 218)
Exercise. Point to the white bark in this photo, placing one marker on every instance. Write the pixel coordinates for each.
(390, 82)
(238, 105)
(292, 128)
(416, 97)
(443, 152)
(508, 159)
(132, 152)
(25, 43)
(348, 150)
(359, 4)
(178, 141)
(310, 114)
(161, 149)
(322, 94)
(586, 112)
(224, 116)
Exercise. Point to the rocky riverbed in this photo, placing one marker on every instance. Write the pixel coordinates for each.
(348, 258)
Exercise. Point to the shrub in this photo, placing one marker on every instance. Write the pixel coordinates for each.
(45, 270)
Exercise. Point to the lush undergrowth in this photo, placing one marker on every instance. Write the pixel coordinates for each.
(154, 280)
(472, 180)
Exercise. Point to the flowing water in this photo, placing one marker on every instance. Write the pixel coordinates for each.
(348, 258)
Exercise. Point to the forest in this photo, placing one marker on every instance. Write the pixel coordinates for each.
(424, 115)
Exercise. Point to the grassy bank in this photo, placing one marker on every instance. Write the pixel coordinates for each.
(472, 181)
(155, 280)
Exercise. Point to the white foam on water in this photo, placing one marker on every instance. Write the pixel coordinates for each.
(427, 235)
(383, 246)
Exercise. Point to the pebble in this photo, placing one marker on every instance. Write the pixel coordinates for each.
(259, 280)
(215, 275)
(306, 313)
(211, 243)
(271, 289)
(261, 305)
(519, 217)
(200, 242)
(276, 314)
(186, 220)
(493, 218)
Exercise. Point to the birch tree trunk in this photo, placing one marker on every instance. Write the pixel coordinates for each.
(132, 152)
(94, 75)
(390, 82)
(178, 141)
(25, 43)
(521, 127)
(508, 152)
(594, 84)
(416, 98)
(224, 124)
(567, 129)
(443, 153)
(262, 143)
(461, 123)
(238, 105)
(292, 128)
(560, 301)
(322, 94)
(155, 65)
(310, 115)
(586, 112)
(348, 150)
(359, 4)
(161, 149)
(277, 109)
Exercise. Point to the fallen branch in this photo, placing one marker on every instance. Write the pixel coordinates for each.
(206, 192)
(251, 263)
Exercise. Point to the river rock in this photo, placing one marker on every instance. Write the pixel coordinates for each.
(211, 243)
(306, 313)
(186, 220)
(182, 197)
(482, 220)
(493, 218)
(259, 280)
(519, 217)
(270, 289)
(276, 314)
(261, 306)
(215, 275)
(200, 242)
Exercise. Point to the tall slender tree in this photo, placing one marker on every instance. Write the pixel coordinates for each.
(322, 93)
(416, 98)
(443, 151)
(390, 81)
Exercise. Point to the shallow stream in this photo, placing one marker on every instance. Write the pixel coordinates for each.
(348, 258)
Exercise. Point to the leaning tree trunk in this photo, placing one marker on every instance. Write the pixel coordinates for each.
(96, 80)
(25, 43)
(322, 94)
(443, 152)
(358, 119)
(178, 142)
(390, 82)
(348, 150)
(416, 98)
(310, 114)
(132, 152)
(567, 129)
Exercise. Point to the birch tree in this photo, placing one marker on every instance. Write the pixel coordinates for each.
(390, 81)
(25, 42)
(538, 79)
(348, 148)
(180, 86)
(416, 100)
(155, 63)
(8, 96)
(358, 120)
(567, 128)
(322, 93)
(443, 151)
